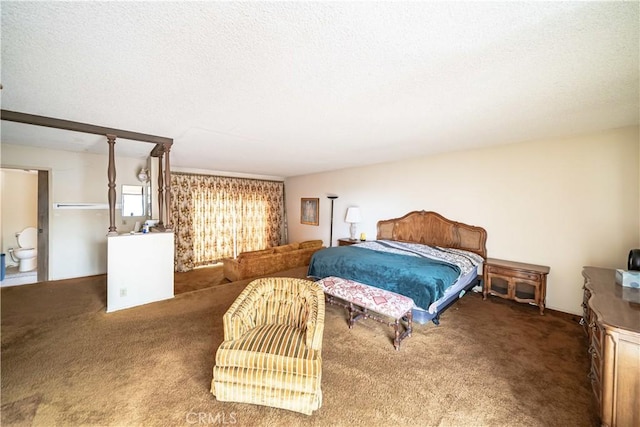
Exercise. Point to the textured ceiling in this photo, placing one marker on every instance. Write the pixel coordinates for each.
(283, 89)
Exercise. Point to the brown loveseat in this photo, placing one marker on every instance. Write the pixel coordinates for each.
(267, 261)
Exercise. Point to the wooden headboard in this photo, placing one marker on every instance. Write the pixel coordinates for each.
(430, 228)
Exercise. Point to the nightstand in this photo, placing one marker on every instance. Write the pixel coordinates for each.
(516, 281)
(349, 242)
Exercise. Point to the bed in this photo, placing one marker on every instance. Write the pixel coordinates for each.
(422, 255)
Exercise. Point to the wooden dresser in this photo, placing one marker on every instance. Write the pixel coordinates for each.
(612, 323)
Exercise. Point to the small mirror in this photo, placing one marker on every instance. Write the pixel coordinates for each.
(133, 202)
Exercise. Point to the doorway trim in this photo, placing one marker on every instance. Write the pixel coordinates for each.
(43, 225)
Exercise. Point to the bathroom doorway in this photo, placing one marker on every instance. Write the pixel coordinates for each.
(25, 203)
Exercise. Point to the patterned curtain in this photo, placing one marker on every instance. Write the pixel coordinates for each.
(216, 217)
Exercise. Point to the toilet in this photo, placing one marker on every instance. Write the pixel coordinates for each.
(25, 254)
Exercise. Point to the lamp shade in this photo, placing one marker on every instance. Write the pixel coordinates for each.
(353, 215)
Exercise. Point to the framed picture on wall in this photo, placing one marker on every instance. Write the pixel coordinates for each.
(309, 211)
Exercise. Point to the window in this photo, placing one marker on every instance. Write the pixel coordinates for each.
(219, 217)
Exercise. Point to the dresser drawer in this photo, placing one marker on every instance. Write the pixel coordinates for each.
(595, 333)
(513, 273)
(595, 351)
(596, 386)
(586, 311)
(596, 362)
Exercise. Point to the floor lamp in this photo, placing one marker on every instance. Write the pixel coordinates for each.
(331, 228)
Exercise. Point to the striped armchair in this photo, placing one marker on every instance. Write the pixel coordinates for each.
(271, 353)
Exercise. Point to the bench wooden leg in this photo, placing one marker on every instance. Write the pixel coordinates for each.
(396, 330)
(355, 314)
(407, 331)
(351, 319)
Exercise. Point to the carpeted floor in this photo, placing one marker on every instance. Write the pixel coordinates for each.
(199, 278)
(494, 363)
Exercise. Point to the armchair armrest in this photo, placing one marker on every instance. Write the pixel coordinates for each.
(315, 324)
(314, 335)
(242, 316)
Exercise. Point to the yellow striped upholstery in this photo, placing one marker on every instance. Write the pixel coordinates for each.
(269, 396)
(271, 353)
(273, 348)
(276, 379)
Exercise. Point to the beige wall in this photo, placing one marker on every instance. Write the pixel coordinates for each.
(77, 238)
(19, 208)
(564, 203)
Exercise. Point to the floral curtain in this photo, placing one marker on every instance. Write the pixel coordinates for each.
(215, 217)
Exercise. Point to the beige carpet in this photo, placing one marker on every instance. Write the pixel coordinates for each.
(496, 363)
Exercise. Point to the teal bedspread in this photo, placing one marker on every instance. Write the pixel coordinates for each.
(422, 279)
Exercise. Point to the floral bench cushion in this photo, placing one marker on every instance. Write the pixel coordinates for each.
(374, 299)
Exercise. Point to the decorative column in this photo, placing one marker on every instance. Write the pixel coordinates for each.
(160, 194)
(167, 185)
(111, 176)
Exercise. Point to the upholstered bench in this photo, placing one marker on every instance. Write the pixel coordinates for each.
(360, 298)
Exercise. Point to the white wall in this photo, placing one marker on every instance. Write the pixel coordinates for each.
(564, 203)
(19, 206)
(77, 238)
(140, 269)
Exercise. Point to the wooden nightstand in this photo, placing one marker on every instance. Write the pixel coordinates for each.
(349, 242)
(516, 281)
